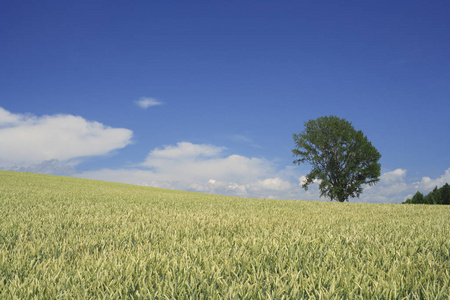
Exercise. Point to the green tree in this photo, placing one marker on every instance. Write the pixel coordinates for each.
(417, 198)
(342, 159)
(429, 199)
(435, 195)
(445, 194)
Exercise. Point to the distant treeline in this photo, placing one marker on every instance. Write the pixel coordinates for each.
(437, 196)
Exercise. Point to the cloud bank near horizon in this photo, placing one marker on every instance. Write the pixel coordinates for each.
(56, 144)
(207, 169)
(204, 168)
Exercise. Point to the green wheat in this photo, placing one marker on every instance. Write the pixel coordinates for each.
(67, 238)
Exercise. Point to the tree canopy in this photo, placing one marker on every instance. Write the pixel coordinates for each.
(342, 159)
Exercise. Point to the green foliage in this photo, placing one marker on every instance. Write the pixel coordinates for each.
(445, 194)
(68, 238)
(418, 198)
(437, 196)
(342, 158)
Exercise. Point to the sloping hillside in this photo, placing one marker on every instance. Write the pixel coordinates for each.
(64, 237)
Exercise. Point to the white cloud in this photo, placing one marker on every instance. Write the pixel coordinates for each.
(147, 102)
(199, 162)
(30, 140)
(427, 184)
(392, 188)
(8, 119)
(276, 184)
(395, 176)
(270, 188)
(182, 151)
(204, 168)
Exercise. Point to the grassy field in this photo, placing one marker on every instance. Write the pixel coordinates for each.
(67, 238)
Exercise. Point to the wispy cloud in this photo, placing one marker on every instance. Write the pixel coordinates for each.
(182, 151)
(145, 102)
(54, 167)
(239, 138)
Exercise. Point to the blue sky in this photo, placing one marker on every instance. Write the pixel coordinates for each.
(227, 83)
